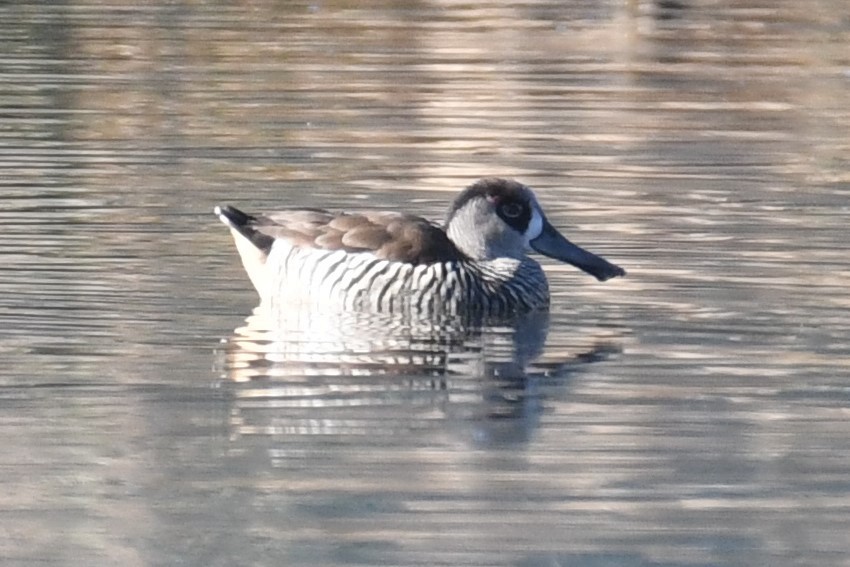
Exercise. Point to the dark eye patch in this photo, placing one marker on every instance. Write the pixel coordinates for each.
(512, 210)
(516, 214)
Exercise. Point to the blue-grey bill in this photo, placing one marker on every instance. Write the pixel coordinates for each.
(552, 243)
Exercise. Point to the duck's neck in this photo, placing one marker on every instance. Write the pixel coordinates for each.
(511, 283)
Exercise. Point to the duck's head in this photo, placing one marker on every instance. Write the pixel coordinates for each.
(495, 218)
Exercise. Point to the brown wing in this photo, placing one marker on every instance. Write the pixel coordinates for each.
(390, 236)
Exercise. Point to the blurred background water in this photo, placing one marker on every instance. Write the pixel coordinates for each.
(692, 414)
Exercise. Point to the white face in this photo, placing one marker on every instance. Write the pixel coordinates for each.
(535, 225)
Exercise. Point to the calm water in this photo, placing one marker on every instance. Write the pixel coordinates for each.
(692, 414)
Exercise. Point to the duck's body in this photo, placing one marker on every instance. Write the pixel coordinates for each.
(384, 261)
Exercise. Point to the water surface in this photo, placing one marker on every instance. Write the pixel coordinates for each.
(693, 413)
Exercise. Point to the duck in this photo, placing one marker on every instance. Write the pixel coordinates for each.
(383, 261)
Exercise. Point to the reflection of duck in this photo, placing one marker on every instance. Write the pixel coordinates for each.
(391, 262)
(302, 343)
(346, 373)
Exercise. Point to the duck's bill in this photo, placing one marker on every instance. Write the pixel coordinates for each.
(551, 243)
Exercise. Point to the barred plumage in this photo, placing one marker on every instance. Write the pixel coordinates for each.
(388, 262)
(361, 281)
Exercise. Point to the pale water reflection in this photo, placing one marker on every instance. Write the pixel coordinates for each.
(328, 374)
(693, 413)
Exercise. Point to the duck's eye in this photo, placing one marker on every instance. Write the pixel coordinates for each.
(512, 210)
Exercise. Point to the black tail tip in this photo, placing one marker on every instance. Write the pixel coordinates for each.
(231, 216)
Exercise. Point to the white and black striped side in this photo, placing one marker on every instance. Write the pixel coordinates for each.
(361, 281)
